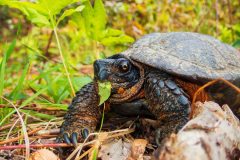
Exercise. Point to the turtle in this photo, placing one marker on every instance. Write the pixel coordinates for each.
(157, 75)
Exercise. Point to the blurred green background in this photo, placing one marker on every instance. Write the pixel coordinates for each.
(35, 67)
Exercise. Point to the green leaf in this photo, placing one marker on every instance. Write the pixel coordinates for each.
(79, 82)
(108, 41)
(104, 91)
(21, 5)
(88, 16)
(236, 44)
(113, 32)
(54, 7)
(70, 12)
(37, 18)
(34, 12)
(42, 11)
(100, 17)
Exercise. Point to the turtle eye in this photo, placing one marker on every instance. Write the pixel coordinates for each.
(124, 66)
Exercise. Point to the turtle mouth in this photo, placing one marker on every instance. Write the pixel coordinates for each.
(101, 76)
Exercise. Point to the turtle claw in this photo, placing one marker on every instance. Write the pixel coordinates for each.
(74, 138)
(85, 133)
(66, 138)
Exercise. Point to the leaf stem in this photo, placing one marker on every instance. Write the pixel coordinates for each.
(63, 60)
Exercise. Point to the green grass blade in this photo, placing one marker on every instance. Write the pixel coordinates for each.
(10, 49)
(2, 74)
(33, 97)
(20, 84)
(37, 114)
(3, 65)
(24, 104)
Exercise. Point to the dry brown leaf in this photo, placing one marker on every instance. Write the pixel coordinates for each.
(115, 150)
(138, 149)
(43, 154)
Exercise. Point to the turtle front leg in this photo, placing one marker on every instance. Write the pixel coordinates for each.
(167, 102)
(82, 116)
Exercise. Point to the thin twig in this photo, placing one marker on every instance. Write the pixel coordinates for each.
(25, 135)
(85, 153)
(78, 149)
(209, 84)
(13, 126)
(19, 137)
(43, 136)
(7, 126)
(111, 134)
(41, 95)
(33, 107)
(48, 44)
(22, 146)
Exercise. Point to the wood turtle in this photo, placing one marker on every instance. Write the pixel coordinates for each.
(158, 74)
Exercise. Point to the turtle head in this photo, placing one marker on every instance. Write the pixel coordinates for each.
(121, 72)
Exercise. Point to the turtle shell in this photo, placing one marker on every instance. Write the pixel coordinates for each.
(194, 56)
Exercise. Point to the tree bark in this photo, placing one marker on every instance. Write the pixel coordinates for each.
(212, 134)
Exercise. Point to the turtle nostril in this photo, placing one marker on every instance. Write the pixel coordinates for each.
(96, 66)
(100, 72)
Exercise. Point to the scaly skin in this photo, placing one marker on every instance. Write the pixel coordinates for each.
(83, 112)
(167, 102)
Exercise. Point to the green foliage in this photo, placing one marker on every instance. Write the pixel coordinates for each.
(138, 17)
(25, 102)
(69, 12)
(42, 12)
(95, 21)
(45, 48)
(37, 114)
(3, 65)
(236, 29)
(104, 91)
(16, 93)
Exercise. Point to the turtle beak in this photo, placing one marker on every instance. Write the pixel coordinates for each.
(100, 71)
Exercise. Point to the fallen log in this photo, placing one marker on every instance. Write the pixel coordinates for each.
(212, 134)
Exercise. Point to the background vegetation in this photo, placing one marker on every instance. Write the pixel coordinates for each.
(47, 47)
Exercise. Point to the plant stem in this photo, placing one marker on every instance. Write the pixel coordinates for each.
(63, 60)
(22, 146)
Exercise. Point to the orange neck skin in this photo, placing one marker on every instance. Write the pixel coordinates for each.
(191, 88)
